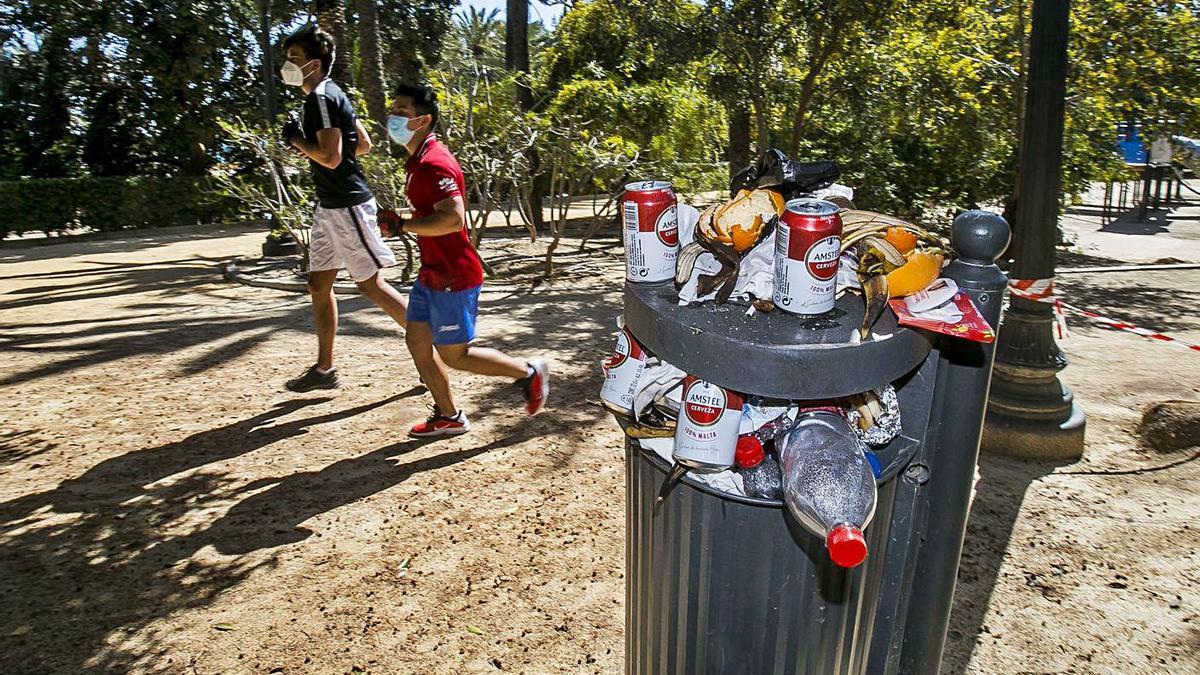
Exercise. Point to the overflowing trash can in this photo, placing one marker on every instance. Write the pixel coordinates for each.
(728, 583)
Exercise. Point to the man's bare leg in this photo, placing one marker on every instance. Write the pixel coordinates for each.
(482, 361)
(387, 297)
(325, 314)
(419, 338)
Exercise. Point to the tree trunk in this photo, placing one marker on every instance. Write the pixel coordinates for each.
(373, 83)
(816, 64)
(516, 49)
(270, 104)
(53, 114)
(331, 15)
(738, 151)
(516, 60)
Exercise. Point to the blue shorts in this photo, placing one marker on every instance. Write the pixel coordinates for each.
(450, 314)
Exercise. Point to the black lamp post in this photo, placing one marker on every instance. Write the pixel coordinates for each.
(1030, 412)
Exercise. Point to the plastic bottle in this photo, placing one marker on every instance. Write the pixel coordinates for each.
(827, 483)
(760, 472)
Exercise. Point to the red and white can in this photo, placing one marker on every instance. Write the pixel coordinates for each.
(706, 432)
(622, 371)
(807, 248)
(651, 227)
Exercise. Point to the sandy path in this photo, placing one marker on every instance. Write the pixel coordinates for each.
(156, 484)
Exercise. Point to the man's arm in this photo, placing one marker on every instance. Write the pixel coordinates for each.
(449, 215)
(364, 139)
(327, 151)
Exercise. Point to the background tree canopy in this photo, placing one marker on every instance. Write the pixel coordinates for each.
(920, 100)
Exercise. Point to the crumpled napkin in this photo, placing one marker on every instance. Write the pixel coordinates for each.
(725, 481)
(756, 276)
(835, 190)
(657, 379)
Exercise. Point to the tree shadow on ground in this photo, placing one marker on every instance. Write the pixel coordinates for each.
(131, 241)
(1001, 491)
(1145, 301)
(118, 543)
(572, 317)
(179, 326)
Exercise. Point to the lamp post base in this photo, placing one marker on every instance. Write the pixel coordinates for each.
(1028, 430)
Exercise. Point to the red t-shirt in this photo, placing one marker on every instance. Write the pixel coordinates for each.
(448, 262)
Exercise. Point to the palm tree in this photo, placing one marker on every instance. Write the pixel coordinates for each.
(331, 15)
(373, 82)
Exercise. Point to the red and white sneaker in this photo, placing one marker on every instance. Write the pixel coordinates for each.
(440, 425)
(537, 386)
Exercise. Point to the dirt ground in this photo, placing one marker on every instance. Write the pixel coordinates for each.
(166, 507)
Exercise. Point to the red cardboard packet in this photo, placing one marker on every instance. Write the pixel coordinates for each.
(972, 326)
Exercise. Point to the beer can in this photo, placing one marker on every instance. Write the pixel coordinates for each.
(651, 231)
(807, 248)
(706, 432)
(622, 371)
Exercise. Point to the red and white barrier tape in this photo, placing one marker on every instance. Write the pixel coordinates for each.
(1130, 328)
(1042, 290)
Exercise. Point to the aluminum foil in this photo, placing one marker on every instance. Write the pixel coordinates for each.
(887, 424)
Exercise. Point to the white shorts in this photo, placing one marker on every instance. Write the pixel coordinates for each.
(348, 238)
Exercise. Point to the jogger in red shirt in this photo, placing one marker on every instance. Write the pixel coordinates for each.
(443, 302)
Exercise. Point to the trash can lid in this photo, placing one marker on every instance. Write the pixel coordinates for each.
(774, 354)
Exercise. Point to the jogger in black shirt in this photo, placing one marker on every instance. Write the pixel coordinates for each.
(344, 231)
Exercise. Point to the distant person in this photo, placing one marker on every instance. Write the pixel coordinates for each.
(444, 300)
(344, 232)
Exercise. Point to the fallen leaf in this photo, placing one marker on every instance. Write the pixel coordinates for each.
(475, 630)
(225, 626)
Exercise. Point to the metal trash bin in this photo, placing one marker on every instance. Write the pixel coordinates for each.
(723, 584)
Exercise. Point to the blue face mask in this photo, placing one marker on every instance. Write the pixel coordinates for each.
(398, 129)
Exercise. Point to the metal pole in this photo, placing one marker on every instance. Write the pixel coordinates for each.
(1030, 412)
(945, 466)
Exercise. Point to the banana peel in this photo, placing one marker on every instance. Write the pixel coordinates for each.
(708, 238)
(875, 292)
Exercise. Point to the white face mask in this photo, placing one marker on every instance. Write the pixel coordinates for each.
(292, 74)
(398, 129)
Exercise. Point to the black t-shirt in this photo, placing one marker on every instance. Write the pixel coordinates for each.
(325, 107)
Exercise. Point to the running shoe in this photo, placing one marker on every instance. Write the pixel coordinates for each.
(315, 379)
(536, 386)
(441, 425)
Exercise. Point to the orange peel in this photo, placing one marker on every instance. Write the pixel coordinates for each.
(902, 239)
(915, 275)
(744, 238)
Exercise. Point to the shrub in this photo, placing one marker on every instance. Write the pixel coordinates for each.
(107, 204)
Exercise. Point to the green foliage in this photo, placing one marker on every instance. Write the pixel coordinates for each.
(919, 101)
(268, 184)
(639, 40)
(108, 204)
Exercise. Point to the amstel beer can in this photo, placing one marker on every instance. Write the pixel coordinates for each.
(651, 228)
(706, 432)
(807, 248)
(621, 373)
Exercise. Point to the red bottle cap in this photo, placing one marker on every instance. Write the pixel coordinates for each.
(749, 452)
(847, 546)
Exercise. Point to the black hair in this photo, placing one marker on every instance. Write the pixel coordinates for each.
(424, 99)
(316, 43)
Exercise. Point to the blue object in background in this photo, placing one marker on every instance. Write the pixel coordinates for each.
(1130, 143)
(876, 465)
